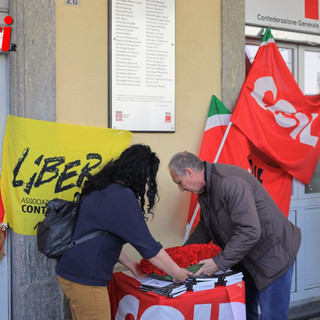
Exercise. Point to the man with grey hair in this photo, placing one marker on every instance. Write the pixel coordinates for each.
(239, 215)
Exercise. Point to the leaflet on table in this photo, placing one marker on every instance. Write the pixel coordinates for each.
(149, 281)
(165, 288)
(200, 286)
(226, 278)
(194, 284)
(170, 288)
(154, 282)
(165, 291)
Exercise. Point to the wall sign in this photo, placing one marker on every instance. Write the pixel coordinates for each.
(296, 15)
(73, 2)
(142, 65)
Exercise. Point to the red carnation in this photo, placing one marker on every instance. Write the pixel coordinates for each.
(184, 257)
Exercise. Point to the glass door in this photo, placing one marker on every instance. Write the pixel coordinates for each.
(309, 82)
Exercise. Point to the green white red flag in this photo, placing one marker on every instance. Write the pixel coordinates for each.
(231, 153)
(216, 124)
(217, 121)
(275, 115)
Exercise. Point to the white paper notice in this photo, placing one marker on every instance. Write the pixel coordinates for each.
(142, 75)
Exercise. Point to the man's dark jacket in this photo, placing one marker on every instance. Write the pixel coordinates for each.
(238, 214)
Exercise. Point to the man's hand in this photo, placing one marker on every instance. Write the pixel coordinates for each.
(208, 268)
(182, 276)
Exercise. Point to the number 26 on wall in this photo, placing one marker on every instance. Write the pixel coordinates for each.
(72, 2)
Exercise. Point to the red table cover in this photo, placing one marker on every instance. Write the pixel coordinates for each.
(129, 303)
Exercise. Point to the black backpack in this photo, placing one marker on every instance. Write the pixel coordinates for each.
(55, 232)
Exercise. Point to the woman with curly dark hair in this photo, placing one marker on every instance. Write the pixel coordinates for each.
(114, 201)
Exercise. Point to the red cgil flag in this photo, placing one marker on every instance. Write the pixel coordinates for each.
(275, 115)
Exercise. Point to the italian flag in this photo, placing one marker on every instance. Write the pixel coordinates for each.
(216, 124)
(234, 150)
(217, 121)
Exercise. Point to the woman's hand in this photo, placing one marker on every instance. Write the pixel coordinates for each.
(131, 265)
(134, 268)
(164, 262)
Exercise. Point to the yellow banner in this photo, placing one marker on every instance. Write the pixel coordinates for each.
(44, 160)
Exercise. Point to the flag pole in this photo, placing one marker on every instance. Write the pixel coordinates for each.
(222, 142)
(189, 225)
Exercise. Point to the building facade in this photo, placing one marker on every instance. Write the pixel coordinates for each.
(60, 72)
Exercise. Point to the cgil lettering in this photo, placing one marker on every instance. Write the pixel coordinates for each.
(54, 168)
(285, 114)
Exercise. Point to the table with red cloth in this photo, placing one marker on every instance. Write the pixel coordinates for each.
(128, 302)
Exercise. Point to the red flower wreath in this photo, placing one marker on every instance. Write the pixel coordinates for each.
(185, 257)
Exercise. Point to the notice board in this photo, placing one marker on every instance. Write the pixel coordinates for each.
(142, 65)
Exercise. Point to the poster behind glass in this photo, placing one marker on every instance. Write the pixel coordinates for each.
(142, 65)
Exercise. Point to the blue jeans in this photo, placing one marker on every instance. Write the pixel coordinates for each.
(273, 301)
